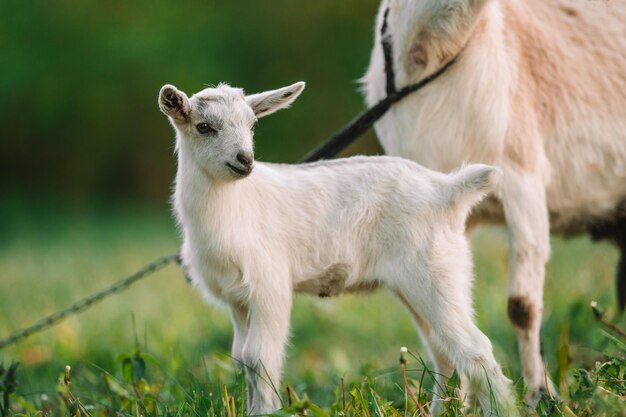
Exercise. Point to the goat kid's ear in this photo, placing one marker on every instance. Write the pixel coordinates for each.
(174, 103)
(270, 101)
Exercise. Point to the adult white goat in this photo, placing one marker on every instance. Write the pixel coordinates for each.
(539, 88)
(255, 232)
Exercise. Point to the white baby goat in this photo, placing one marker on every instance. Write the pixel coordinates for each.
(256, 232)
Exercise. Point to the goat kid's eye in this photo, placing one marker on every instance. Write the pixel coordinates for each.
(254, 125)
(204, 128)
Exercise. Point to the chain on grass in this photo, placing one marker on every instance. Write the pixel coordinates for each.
(87, 302)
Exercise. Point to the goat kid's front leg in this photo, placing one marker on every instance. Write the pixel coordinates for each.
(264, 347)
(239, 315)
(524, 201)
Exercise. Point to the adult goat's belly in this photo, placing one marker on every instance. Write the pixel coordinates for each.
(587, 180)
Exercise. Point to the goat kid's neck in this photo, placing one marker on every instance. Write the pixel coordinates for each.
(200, 194)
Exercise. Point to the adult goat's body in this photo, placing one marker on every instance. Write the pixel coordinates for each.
(254, 236)
(538, 88)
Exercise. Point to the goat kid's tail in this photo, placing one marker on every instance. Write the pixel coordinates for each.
(470, 184)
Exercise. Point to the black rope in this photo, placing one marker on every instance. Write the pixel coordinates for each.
(387, 46)
(359, 125)
(344, 137)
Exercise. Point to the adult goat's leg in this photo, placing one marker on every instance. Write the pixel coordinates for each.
(524, 201)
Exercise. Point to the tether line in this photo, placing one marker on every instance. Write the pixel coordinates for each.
(87, 302)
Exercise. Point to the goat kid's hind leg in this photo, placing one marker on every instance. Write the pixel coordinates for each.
(523, 198)
(443, 367)
(263, 351)
(444, 301)
(458, 337)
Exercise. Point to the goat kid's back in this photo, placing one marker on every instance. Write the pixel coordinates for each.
(345, 211)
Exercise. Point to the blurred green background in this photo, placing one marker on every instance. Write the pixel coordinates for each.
(86, 166)
(80, 81)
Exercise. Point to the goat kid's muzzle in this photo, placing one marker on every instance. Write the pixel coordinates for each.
(243, 166)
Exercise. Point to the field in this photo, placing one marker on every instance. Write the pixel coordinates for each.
(86, 160)
(156, 349)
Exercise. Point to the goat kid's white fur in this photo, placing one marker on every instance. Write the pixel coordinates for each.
(539, 89)
(256, 232)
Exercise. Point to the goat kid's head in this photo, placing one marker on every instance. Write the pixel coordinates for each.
(215, 126)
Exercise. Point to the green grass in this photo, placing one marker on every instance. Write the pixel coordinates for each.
(49, 257)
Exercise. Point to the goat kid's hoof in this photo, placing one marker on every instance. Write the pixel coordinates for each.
(533, 397)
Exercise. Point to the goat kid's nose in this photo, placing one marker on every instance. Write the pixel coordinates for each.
(245, 159)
